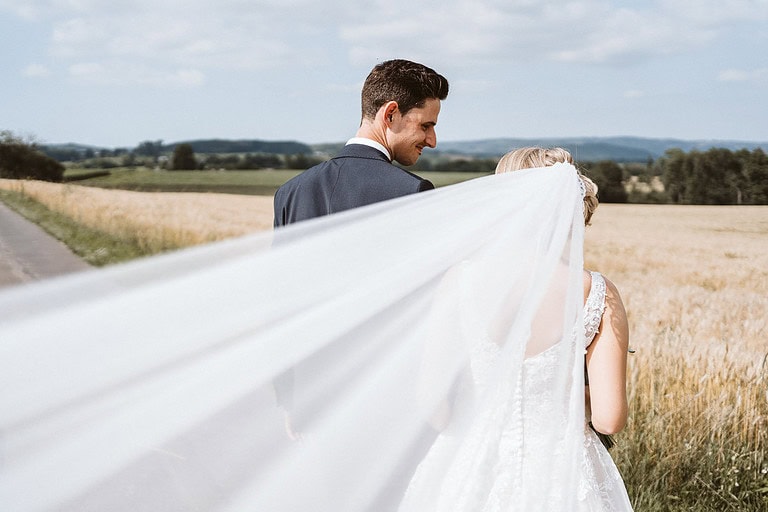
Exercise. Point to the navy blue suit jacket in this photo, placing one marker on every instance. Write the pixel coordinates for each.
(359, 175)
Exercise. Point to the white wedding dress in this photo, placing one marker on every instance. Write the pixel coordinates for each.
(149, 386)
(601, 487)
(501, 452)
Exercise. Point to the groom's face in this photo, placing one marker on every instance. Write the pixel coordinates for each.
(411, 132)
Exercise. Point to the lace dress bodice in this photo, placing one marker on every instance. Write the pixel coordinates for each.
(501, 448)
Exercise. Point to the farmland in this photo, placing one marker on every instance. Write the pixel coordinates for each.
(695, 283)
(257, 182)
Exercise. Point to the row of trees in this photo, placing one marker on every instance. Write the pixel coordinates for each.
(64, 154)
(224, 153)
(716, 176)
(184, 158)
(20, 159)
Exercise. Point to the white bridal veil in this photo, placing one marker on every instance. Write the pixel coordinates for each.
(383, 332)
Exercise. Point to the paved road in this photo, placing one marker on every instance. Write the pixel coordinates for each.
(28, 253)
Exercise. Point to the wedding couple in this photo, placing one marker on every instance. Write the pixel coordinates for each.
(432, 349)
(400, 108)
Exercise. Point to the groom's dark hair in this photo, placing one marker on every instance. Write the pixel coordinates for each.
(408, 83)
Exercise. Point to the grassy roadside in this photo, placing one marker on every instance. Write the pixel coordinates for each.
(96, 247)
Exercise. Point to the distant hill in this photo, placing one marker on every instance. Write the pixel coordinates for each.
(199, 146)
(618, 149)
(70, 146)
(243, 146)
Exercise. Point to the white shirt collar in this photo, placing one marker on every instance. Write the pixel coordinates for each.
(370, 143)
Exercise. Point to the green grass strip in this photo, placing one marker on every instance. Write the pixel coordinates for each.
(96, 247)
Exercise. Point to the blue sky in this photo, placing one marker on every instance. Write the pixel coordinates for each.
(117, 72)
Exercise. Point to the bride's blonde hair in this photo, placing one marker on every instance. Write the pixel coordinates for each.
(529, 157)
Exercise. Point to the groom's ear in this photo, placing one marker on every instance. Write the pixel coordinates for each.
(390, 108)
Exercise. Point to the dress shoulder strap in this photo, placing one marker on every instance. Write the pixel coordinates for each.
(594, 307)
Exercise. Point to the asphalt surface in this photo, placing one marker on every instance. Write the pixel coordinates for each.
(28, 253)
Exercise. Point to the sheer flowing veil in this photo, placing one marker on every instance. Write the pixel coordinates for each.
(152, 385)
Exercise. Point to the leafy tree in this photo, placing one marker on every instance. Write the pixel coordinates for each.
(128, 159)
(728, 174)
(673, 174)
(221, 162)
(183, 158)
(261, 161)
(714, 177)
(61, 154)
(301, 161)
(22, 160)
(756, 172)
(609, 178)
(150, 148)
(465, 165)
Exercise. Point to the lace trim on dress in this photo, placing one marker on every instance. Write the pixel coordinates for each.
(594, 307)
(600, 487)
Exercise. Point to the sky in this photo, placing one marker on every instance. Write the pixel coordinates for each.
(114, 73)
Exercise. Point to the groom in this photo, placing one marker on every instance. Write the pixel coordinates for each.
(400, 105)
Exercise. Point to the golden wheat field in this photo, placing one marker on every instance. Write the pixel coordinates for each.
(695, 283)
(157, 221)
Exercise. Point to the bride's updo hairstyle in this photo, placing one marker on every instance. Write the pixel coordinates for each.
(527, 158)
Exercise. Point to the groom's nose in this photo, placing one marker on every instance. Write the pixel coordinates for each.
(431, 138)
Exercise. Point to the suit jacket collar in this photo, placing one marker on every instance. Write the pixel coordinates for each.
(362, 151)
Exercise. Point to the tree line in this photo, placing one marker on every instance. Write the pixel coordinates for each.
(185, 159)
(182, 156)
(21, 159)
(715, 176)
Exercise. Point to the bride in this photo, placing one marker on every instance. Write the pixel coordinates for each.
(437, 343)
(504, 450)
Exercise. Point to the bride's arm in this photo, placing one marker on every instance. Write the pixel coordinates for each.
(607, 366)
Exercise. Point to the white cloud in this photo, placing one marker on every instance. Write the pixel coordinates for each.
(634, 93)
(35, 70)
(715, 13)
(759, 75)
(622, 36)
(208, 35)
(28, 10)
(587, 31)
(96, 73)
(733, 75)
(155, 36)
